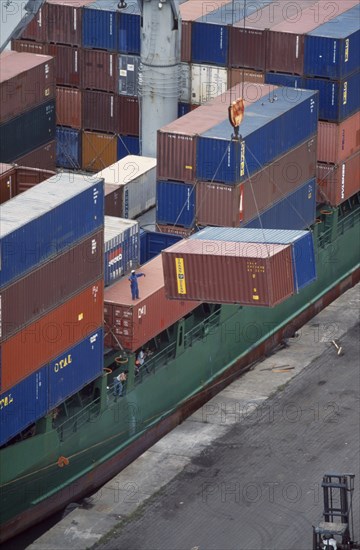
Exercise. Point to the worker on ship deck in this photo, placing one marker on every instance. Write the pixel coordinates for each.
(134, 284)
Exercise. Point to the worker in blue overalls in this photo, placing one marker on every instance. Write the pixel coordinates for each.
(134, 284)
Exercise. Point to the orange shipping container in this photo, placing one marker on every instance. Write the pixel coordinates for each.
(69, 107)
(337, 183)
(51, 335)
(134, 323)
(98, 151)
(337, 142)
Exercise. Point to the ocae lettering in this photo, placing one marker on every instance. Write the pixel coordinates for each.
(141, 312)
(63, 363)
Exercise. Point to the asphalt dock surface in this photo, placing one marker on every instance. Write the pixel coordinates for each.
(244, 472)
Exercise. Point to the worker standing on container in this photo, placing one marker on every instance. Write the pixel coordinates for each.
(134, 284)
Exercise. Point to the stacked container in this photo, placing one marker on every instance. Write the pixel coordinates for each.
(122, 248)
(51, 296)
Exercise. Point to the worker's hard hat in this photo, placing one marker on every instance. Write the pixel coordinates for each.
(133, 271)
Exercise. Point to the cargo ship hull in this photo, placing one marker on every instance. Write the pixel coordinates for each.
(61, 464)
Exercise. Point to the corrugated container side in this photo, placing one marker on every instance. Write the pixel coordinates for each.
(175, 230)
(153, 242)
(338, 183)
(98, 150)
(185, 82)
(337, 142)
(247, 48)
(43, 157)
(135, 323)
(113, 200)
(29, 46)
(23, 404)
(207, 82)
(209, 43)
(296, 211)
(284, 52)
(68, 148)
(26, 82)
(76, 367)
(51, 284)
(99, 70)
(128, 74)
(178, 158)
(175, 203)
(128, 115)
(69, 107)
(121, 248)
(186, 41)
(68, 64)
(100, 112)
(27, 132)
(37, 28)
(48, 223)
(64, 21)
(27, 177)
(127, 145)
(183, 109)
(50, 336)
(129, 31)
(7, 182)
(225, 205)
(99, 26)
(235, 76)
(265, 272)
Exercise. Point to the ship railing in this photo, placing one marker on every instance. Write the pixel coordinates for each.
(203, 330)
(73, 424)
(346, 223)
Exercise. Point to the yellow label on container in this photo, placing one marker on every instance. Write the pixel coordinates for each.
(347, 44)
(80, 316)
(180, 275)
(255, 297)
(345, 93)
(188, 167)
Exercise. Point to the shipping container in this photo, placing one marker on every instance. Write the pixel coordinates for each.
(175, 230)
(100, 21)
(68, 148)
(332, 50)
(209, 37)
(51, 284)
(175, 203)
(265, 272)
(7, 182)
(153, 242)
(23, 404)
(224, 205)
(45, 339)
(302, 246)
(100, 112)
(27, 177)
(130, 186)
(134, 323)
(337, 183)
(122, 248)
(183, 109)
(48, 218)
(177, 140)
(128, 115)
(44, 157)
(27, 131)
(69, 107)
(29, 46)
(128, 74)
(185, 82)
(235, 76)
(68, 64)
(64, 21)
(76, 367)
(296, 211)
(266, 134)
(26, 81)
(127, 145)
(337, 142)
(207, 82)
(37, 28)
(99, 70)
(128, 28)
(98, 150)
(337, 99)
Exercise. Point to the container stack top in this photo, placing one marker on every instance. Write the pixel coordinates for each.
(127, 169)
(235, 234)
(114, 226)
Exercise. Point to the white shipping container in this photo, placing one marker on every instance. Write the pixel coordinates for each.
(207, 82)
(185, 82)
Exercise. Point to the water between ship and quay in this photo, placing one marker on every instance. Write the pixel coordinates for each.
(245, 470)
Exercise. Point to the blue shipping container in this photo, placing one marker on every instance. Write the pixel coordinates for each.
(122, 250)
(128, 145)
(296, 211)
(99, 25)
(76, 367)
(129, 28)
(47, 219)
(25, 403)
(183, 109)
(68, 148)
(153, 242)
(175, 203)
(271, 127)
(303, 254)
(337, 99)
(332, 49)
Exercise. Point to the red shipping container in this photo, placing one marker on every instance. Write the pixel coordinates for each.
(228, 272)
(64, 21)
(29, 46)
(45, 339)
(128, 113)
(26, 80)
(177, 140)
(100, 70)
(134, 323)
(7, 182)
(43, 158)
(37, 28)
(337, 183)
(69, 107)
(68, 64)
(28, 177)
(175, 230)
(100, 112)
(337, 142)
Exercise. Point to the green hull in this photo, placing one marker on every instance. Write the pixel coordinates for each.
(106, 435)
